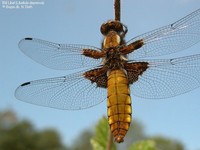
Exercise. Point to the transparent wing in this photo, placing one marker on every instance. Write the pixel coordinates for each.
(57, 56)
(169, 39)
(168, 77)
(68, 92)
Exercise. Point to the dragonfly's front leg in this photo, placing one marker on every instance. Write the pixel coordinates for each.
(93, 53)
(131, 47)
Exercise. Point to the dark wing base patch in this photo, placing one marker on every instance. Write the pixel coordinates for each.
(134, 70)
(98, 76)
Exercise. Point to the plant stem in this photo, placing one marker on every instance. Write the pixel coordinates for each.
(117, 10)
(109, 141)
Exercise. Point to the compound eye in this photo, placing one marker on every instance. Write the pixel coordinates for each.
(112, 25)
(118, 26)
(104, 28)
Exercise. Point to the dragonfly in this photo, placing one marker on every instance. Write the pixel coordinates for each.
(116, 70)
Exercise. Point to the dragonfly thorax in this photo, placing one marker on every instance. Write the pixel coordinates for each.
(112, 39)
(113, 32)
(114, 59)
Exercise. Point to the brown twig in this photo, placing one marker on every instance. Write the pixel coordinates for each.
(117, 10)
(109, 141)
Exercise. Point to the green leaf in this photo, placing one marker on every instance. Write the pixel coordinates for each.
(144, 145)
(164, 143)
(102, 137)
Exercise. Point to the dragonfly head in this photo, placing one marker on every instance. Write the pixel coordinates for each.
(116, 26)
(114, 32)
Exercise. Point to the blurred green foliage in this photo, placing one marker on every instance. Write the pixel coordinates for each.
(163, 143)
(21, 135)
(82, 142)
(102, 137)
(136, 139)
(144, 145)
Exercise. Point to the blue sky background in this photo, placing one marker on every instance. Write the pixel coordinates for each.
(78, 22)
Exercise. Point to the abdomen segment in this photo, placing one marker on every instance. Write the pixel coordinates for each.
(119, 104)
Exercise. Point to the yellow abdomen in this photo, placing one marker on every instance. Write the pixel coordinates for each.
(119, 104)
